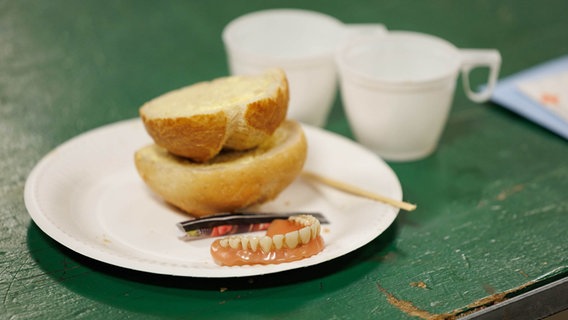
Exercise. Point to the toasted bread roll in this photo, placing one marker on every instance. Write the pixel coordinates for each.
(230, 181)
(237, 112)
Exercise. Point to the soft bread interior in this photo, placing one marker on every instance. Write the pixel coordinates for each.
(230, 181)
(227, 94)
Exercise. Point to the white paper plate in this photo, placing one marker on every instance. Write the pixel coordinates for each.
(87, 195)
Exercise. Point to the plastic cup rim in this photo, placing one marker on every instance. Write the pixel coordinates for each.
(356, 75)
(245, 54)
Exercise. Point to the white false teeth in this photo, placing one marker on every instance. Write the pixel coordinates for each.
(311, 230)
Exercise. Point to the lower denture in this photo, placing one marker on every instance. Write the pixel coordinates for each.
(285, 241)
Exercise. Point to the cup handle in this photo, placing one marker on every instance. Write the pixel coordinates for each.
(475, 58)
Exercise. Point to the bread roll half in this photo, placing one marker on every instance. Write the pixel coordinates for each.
(237, 112)
(232, 180)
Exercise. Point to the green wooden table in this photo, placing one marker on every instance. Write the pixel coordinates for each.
(492, 217)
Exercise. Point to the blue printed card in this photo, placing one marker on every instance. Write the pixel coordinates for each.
(539, 94)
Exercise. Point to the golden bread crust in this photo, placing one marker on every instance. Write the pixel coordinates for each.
(206, 134)
(188, 125)
(232, 180)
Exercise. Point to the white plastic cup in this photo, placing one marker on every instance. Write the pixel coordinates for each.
(397, 89)
(303, 44)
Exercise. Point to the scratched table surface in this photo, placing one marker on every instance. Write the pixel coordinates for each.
(492, 201)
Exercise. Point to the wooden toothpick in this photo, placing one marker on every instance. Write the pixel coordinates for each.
(358, 191)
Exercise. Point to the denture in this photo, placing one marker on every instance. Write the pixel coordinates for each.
(285, 240)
